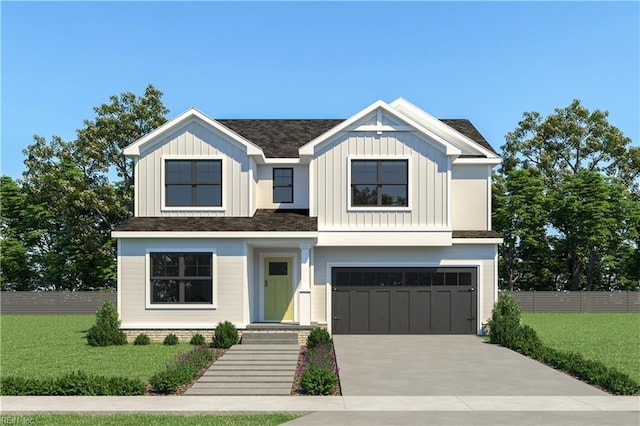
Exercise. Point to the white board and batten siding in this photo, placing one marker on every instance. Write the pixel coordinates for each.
(428, 181)
(230, 279)
(480, 256)
(193, 141)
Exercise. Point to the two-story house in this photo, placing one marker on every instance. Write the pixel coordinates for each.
(380, 223)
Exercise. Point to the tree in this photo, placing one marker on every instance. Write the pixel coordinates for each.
(588, 172)
(520, 216)
(16, 274)
(71, 200)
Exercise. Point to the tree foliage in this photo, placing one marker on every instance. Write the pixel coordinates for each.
(567, 203)
(57, 220)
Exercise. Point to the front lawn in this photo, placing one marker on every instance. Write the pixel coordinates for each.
(48, 345)
(611, 338)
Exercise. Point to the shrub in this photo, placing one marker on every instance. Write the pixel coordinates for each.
(225, 335)
(317, 380)
(317, 336)
(171, 339)
(197, 340)
(142, 339)
(321, 355)
(183, 370)
(505, 329)
(106, 330)
(505, 319)
(77, 383)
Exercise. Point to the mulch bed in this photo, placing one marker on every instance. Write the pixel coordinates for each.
(296, 389)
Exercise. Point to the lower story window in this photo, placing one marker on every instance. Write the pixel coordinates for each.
(178, 277)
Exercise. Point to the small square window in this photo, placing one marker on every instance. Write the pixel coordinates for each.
(278, 268)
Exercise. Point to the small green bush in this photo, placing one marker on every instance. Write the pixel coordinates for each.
(77, 383)
(225, 335)
(142, 339)
(197, 340)
(319, 336)
(171, 340)
(181, 372)
(318, 380)
(505, 319)
(106, 331)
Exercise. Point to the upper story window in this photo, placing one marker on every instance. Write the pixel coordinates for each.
(193, 183)
(379, 183)
(282, 185)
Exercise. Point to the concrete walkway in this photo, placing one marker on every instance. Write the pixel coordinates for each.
(250, 370)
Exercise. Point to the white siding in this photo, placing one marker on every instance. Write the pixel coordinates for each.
(480, 256)
(264, 187)
(194, 140)
(428, 180)
(470, 192)
(230, 276)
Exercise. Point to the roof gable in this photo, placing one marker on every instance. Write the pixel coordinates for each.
(393, 116)
(459, 132)
(183, 119)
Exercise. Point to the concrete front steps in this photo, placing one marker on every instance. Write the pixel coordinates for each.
(250, 369)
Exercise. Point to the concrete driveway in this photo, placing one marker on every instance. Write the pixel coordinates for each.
(444, 365)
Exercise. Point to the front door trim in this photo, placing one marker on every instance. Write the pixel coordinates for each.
(294, 281)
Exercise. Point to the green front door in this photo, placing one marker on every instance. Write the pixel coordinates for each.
(278, 297)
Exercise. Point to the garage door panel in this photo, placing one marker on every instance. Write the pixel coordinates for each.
(440, 312)
(399, 311)
(404, 300)
(379, 311)
(463, 301)
(359, 311)
(420, 311)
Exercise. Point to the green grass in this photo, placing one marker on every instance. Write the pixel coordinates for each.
(49, 345)
(151, 419)
(613, 339)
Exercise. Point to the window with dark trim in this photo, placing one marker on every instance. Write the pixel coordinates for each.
(282, 185)
(379, 183)
(181, 278)
(193, 183)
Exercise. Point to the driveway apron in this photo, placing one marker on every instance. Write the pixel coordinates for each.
(444, 365)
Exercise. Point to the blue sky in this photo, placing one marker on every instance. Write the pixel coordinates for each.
(488, 62)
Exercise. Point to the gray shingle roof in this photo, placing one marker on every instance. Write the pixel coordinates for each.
(263, 220)
(281, 138)
(476, 234)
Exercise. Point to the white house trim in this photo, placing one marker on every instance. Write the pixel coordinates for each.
(214, 234)
(477, 241)
(390, 238)
(438, 127)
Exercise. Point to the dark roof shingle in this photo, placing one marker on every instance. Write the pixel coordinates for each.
(476, 234)
(281, 138)
(263, 220)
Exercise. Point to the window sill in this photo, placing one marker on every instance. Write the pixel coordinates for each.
(379, 209)
(192, 209)
(180, 306)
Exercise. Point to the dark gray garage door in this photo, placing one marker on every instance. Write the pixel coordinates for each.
(404, 300)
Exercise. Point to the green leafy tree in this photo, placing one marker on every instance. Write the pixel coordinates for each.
(15, 273)
(588, 173)
(73, 198)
